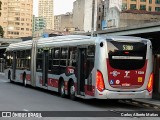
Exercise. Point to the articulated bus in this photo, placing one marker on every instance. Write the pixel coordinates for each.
(102, 67)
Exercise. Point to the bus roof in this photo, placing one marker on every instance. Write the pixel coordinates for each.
(68, 40)
(123, 38)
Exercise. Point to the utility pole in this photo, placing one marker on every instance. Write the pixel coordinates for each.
(93, 11)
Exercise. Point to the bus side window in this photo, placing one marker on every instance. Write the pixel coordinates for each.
(90, 59)
(56, 60)
(28, 59)
(50, 60)
(72, 56)
(39, 60)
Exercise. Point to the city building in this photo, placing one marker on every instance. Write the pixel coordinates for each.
(45, 10)
(64, 22)
(88, 15)
(78, 14)
(93, 15)
(38, 26)
(137, 17)
(112, 10)
(148, 5)
(16, 18)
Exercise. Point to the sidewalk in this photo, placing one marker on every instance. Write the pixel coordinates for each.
(155, 101)
(2, 73)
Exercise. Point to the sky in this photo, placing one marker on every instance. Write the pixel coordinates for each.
(60, 6)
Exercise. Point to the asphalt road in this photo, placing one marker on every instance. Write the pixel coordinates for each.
(15, 97)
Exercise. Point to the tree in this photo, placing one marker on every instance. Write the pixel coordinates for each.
(1, 32)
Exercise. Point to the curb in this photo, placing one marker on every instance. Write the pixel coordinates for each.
(2, 73)
(150, 102)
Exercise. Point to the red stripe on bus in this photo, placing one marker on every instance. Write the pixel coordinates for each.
(28, 77)
(53, 82)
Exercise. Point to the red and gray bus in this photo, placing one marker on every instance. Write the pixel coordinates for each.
(103, 67)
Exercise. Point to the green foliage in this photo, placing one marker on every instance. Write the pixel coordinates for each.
(1, 32)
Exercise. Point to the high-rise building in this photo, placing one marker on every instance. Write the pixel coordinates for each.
(78, 14)
(87, 15)
(16, 18)
(45, 10)
(38, 26)
(93, 15)
(148, 5)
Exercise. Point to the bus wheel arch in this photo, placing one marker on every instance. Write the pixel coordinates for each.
(24, 79)
(61, 87)
(71, 89)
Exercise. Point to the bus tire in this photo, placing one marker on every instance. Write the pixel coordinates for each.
(72, 91)
(62, 89)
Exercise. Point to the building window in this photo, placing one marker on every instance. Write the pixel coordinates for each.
(99, 26)
(150, 1)
(142, 7)
(124, 6)
(133, 0)
(143, 0)
(150, 8)
(157, 1)
(133, 6)
(157, 9)
(99, 17)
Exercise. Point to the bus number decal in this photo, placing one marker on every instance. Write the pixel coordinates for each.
(140, 72)
(127, 47)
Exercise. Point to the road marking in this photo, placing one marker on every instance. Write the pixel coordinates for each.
(25, 110)
(3, 81)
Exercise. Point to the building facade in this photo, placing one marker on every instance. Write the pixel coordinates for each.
(148, 5)
(45, 10)
(93, 15)
(88, 15)
(112, 11)
(38, 26)
(16, 18)
(78, 14)
(63, 22)
(136, 17)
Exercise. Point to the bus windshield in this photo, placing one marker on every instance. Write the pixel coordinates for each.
(127, 55)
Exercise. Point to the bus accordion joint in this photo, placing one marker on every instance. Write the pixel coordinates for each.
(150, 83)
(99, 81)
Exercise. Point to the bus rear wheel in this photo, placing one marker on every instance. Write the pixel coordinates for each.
(62, 89)
(72, 91)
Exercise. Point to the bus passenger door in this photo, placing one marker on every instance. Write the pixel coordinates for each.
(14, 66)
(81, 67)
(45, 68)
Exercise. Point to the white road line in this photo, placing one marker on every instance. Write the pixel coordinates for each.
(25, 110)
(3, 81)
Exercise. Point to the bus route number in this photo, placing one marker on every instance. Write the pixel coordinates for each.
(127, 47)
